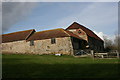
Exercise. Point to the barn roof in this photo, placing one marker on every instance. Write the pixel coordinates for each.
(54, 33)
(17, 36)
(90, 33)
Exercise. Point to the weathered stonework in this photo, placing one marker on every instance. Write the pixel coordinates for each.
(14, 47)
(62, 46)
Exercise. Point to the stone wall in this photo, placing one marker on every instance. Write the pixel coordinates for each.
(62, 45)
(14, 47)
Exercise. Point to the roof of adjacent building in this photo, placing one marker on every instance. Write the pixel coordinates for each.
(54, 33)
(90, 33)
(17, 36)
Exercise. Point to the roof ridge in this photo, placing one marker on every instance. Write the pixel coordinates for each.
(50, 30)
(66, 32)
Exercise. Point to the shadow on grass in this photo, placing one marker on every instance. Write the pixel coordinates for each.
(61, 70)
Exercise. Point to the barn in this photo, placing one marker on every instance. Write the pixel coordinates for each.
(94, 42)
(68, 41)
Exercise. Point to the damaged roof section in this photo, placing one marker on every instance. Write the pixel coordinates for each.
(55, 33)
(17, 36)
(90, 33)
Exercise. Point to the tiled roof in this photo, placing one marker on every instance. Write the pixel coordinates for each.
(17, 36)
(55, 33)
(88, 31)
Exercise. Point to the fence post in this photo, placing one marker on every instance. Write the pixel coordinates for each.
(117, 54)
(92, 53)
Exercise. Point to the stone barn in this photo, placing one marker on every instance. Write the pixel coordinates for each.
(64, 41)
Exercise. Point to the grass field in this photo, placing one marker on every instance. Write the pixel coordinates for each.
(50, 66)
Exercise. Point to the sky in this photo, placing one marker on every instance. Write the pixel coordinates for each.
(100, 17)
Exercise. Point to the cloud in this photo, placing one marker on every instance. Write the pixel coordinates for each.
(97, 16)
(13, 12)
(102, 35)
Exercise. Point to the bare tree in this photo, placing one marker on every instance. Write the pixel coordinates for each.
(108, 44)
(117, 42)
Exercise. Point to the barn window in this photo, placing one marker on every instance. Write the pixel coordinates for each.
(32, 43)
(79, 31)
(53, 40)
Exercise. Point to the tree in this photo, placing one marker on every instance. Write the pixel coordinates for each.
(108, 44)
(117, 42)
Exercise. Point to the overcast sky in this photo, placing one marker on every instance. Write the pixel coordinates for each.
(101, 17)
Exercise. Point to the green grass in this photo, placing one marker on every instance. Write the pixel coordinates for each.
(50, 66)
